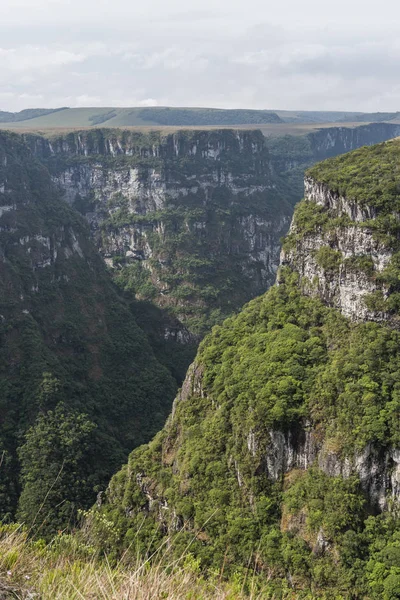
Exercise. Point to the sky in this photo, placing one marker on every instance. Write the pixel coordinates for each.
(290, 54)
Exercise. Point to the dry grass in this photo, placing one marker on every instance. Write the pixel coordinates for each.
(30, 570)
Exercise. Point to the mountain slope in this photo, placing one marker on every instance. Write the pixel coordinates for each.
(344, 239)
(69, 345)
(290, 155)
(282, 452)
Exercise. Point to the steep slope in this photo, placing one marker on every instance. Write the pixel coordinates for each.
(69, 345)
(190, 221)
(282, 453)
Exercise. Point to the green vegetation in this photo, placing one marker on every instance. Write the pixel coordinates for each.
(200, 240)
(66, 569)
(207, 116)
(27, 114)
(269, 478)
(369, 180)
(310, 218)
(360, 263)
(285, 363)
(138, 117)
(79, 383)
(329, 259)
(204, 279)
(368, 176)
(58, 456)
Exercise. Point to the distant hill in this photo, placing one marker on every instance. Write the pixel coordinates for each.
(271, 122)
(376, 117)
(162, 116)
(26, 115)
(319, 116)
(136, 117)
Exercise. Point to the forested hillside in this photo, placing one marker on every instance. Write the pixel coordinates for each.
(79, 383)
(282, 452)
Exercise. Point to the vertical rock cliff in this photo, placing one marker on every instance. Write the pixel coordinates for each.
(190, 221)
(343, 240)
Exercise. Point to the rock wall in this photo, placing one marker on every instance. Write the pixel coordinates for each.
(332, 141)
(192, 221)
(348, 237)
(198, 214)
(378, 470)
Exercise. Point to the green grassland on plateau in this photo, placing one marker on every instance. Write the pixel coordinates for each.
(160, 116)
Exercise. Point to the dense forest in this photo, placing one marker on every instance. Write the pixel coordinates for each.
(79, 383)
(287, 376)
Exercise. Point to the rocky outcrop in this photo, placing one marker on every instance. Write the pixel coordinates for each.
(301, 447)
(378, 470)
(342, 259)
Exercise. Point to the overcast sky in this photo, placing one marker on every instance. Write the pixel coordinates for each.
(287, 54)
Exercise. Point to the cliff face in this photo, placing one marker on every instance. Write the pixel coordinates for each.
(191, 221)
(342, 260)
(378, 470)
(343, 240)
(301, 447)
(332, 141)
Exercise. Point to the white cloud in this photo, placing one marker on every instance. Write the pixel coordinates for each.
(86, 100)
(147, 102)
(28, 58)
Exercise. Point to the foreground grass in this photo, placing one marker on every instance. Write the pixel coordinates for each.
(60, 571)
